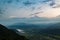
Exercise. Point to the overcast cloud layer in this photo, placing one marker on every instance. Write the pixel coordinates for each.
(28, 8)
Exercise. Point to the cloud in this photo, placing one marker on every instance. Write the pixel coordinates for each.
(13, 17)
(1, 11)
(28, 3)
(56, 4)
(36, 13)
(9, 1)
(52, 3)
(44, 1)
(17, 0)
(5, 1)
(24, 8)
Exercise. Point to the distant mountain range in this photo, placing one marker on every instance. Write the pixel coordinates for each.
(39, 31)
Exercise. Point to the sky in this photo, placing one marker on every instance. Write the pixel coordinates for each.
(29, 8)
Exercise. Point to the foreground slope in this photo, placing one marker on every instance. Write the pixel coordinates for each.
(6, 34)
